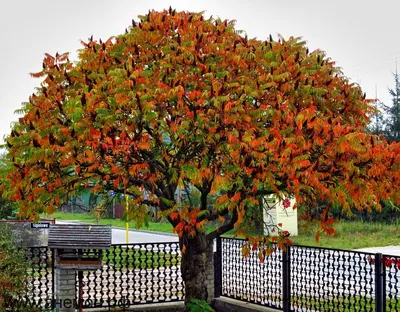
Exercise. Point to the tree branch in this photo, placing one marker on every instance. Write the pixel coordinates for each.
(213, 216)
(224, 228)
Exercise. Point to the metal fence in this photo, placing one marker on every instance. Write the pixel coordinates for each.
(40, 282)
(134, 274)
(309, 278)
(331, 280)
(301, 279)
(248, 279)
(391, 282)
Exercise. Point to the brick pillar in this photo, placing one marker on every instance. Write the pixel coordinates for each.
(65, 290)
(210, 271)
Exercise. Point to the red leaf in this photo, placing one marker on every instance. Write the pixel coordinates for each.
(174, 216)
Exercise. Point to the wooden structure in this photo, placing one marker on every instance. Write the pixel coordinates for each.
(78, 246)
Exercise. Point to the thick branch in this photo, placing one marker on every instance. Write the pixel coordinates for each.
(224, 228)
(213, 216)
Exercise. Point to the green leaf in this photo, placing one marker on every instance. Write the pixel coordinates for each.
(222, 74)
(270, 56)
(147, 73)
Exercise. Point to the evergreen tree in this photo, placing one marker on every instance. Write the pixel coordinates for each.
(377, 125)
(392, 127)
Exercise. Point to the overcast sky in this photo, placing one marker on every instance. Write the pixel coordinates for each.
(361, 36)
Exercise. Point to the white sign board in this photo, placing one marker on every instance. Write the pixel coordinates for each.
(276, 216)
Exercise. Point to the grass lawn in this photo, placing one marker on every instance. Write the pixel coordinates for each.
(350, 304)
(143, 259)
(350, 234)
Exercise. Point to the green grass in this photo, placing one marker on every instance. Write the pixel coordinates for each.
(349, 234)
(139, 259)
(347, 304)
(89, 218)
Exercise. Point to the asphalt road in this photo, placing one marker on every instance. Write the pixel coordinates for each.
(388, 250)
(119, 235)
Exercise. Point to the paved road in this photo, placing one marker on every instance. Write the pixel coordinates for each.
(119, 235)
(388, 250)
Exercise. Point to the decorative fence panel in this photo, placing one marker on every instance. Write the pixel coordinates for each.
(40, 281)
(248, 279)
(134, 274)
(331, 280)
(392, 282)
(309, 278)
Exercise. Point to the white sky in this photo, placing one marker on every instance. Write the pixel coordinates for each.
(361, 36)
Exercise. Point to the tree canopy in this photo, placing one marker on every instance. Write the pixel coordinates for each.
(181, 101)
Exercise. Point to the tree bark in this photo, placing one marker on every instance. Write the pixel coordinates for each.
(193, 266)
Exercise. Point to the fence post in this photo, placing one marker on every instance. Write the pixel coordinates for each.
(380, 284)
(53, 276)
(218, 268)
(286, 279)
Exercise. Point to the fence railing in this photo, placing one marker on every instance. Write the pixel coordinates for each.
(301, 279)
(134, 274)
(390, 281)
(331, 280)
(248, 279)
(309, 278)
(40, 283)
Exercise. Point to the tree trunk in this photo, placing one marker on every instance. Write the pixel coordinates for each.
(193, 266)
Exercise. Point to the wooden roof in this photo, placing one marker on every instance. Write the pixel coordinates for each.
(79, 236)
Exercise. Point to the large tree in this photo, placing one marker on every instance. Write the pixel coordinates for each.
(184, 102)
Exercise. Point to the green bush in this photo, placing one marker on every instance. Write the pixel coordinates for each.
(196, 305)
(13, 270)
(388, 214)
(7, 209)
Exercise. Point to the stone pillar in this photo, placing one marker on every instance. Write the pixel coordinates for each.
(210, 271)
(65, 290)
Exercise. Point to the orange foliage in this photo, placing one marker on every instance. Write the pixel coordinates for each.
(187, 101)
